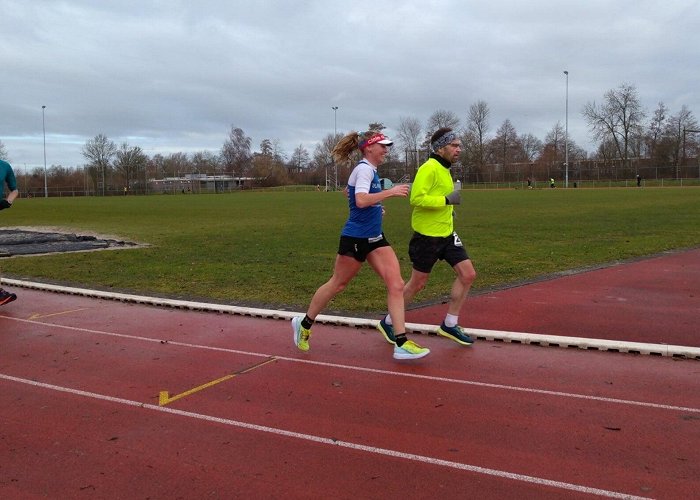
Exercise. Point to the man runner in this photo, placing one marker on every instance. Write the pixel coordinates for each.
(433, 197)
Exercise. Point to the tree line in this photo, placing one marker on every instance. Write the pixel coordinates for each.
(624, 131)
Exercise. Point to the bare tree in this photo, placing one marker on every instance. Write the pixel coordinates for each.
(531, 146)
(157, 165)
(268, 167)
(300, 158)
(674, 131)
(607, 150)
(324, 164)
(322, 152)
(177, 164)
(99, 152)
(408, 133)
(278, 152)
(656, 130)
(3, 152)
(205, 162)
(235, 153)
(553, 147)
(477, 128)
(440, 118)
(618, 119)
(505, 145)
(266, 148)
(130, 161)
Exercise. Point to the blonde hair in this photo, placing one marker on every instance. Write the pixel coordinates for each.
(346, 146)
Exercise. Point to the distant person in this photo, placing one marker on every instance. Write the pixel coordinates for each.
(362, 239)
(639, 180)
(551, 182)
(529, 183)
(433, 197)
(7, 177)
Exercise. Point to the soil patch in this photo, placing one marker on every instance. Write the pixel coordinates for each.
(27, 241)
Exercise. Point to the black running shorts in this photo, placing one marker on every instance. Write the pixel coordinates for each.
(359, 248)
(425, 251)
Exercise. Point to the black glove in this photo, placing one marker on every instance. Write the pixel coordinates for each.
(5, 204)
(454, 198)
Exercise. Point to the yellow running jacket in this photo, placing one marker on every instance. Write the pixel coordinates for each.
(432, 216)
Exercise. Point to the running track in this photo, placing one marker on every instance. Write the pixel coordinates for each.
(107, 399)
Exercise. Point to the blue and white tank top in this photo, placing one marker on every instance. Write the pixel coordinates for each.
(363, 222)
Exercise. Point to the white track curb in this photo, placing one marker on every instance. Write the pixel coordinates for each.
(494, 335)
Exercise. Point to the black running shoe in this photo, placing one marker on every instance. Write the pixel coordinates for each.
(6, 297)
(387, 330)
(455, 333)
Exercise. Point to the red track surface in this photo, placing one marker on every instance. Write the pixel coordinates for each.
(653, 301)
(245, 414)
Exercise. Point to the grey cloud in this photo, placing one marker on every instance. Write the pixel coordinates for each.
(174, 76)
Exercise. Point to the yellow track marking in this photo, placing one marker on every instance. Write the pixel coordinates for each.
(37, 315)
(164, 396)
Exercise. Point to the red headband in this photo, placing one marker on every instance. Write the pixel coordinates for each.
(375, 139)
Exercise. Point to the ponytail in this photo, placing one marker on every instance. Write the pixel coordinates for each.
(345, 147)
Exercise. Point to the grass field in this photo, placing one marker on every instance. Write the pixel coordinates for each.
(276, 248)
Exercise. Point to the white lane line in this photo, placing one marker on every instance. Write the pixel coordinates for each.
(368, 370)
(505, 336)
(329, 441)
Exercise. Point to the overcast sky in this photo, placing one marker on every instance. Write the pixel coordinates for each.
(173, 75)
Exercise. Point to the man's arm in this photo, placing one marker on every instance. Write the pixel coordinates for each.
(7, 202)
(11, 197)
(420, 190)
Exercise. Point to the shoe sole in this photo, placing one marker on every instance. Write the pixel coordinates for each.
(412, 356)
(295, 322)
(452, 337)
(385, 334)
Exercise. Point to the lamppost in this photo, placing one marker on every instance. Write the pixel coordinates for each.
(566, 135)
(43, 125)
(335, 134)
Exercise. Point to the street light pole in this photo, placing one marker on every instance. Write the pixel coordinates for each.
(335, 135)
(43, 125)
(335, 119)
(566, 134)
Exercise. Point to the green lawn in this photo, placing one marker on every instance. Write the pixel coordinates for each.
(276, 248)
